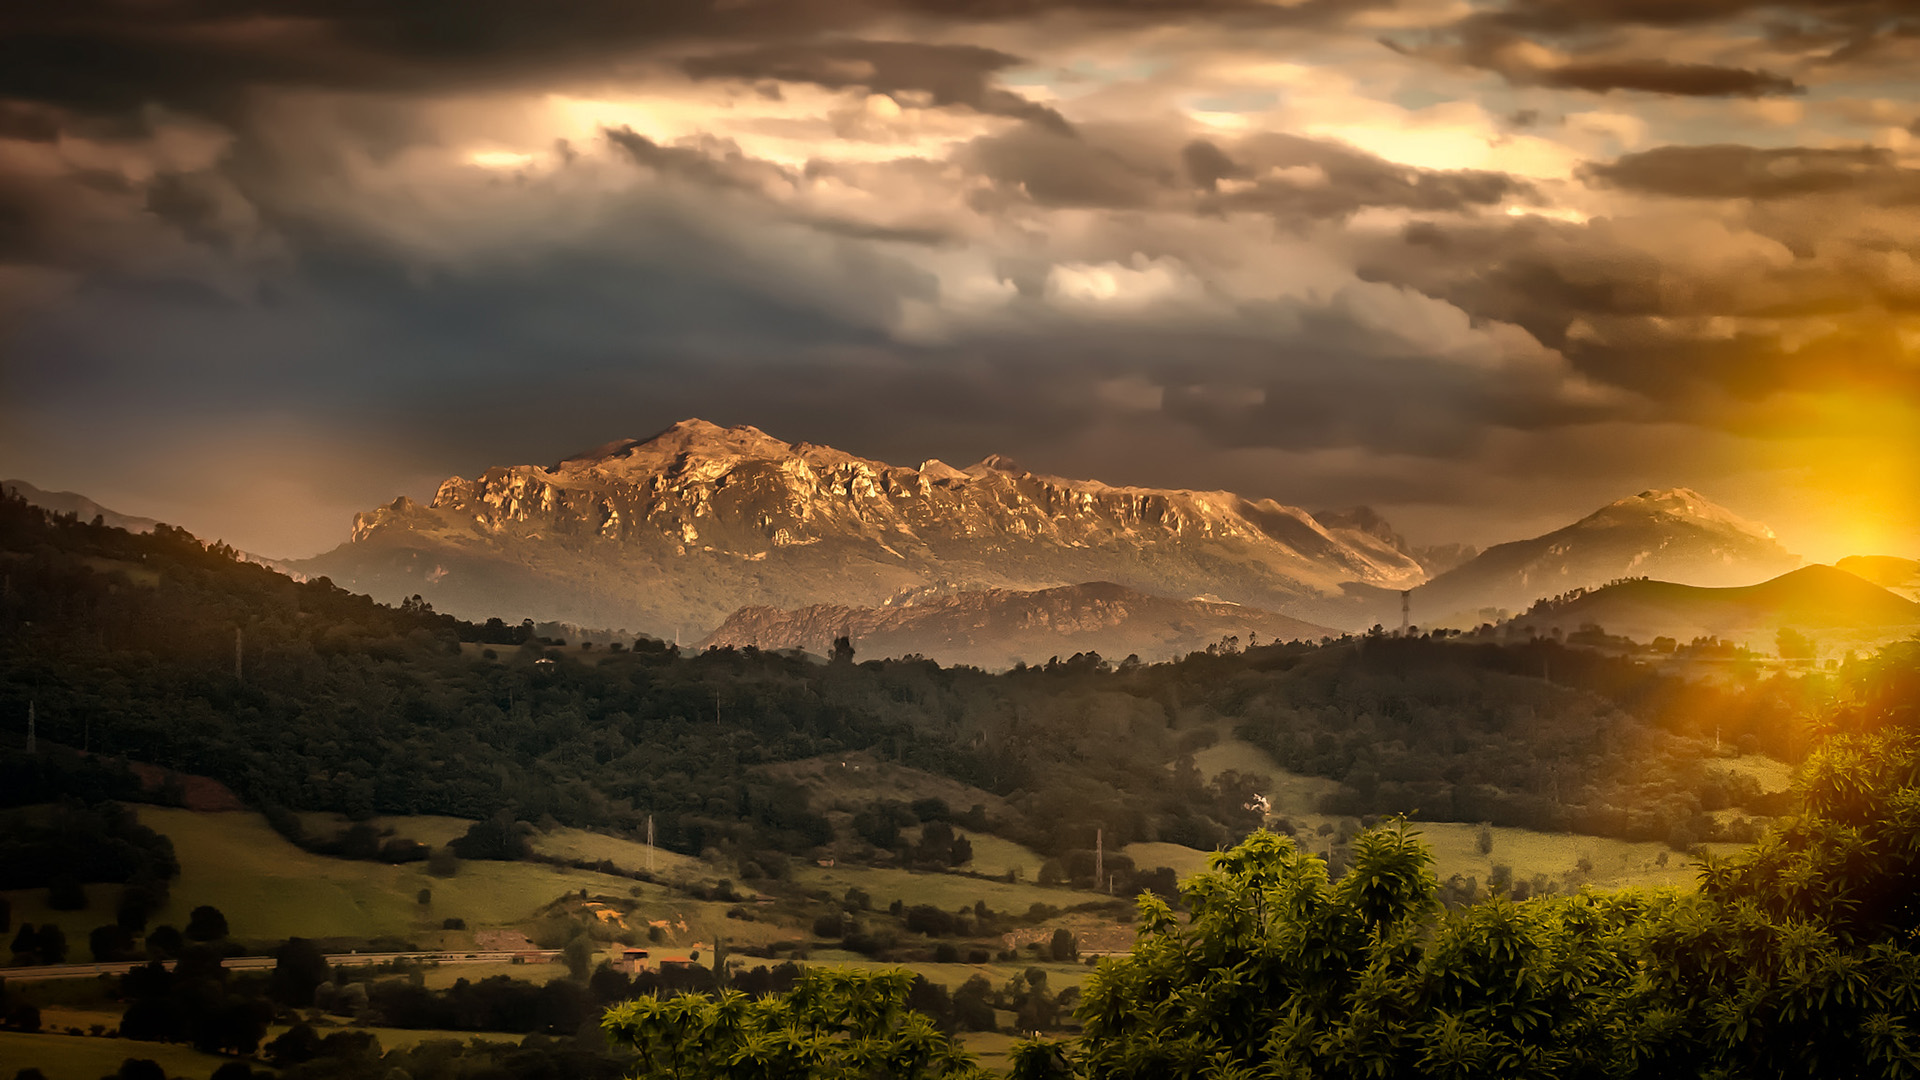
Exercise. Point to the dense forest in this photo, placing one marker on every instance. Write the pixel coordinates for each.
(159, 649)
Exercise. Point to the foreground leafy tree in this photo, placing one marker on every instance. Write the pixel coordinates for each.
(835, 1023)
(1796, 959)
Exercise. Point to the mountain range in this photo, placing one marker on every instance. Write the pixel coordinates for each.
(1841, 608)
(729, 535)
(674, 533)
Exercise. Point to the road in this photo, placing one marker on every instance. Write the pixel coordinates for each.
(254, 963)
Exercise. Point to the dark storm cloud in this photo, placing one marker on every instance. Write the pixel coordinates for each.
(718, 164)
(1744, 172)
(102, 56)
(1105, 167)
(1481, 45)
(1302, 179)
(1716, 309)
(1825, 33)
(1664, 77)
(1294, 179)
(948, 74)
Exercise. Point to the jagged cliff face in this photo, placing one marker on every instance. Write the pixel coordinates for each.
(997, 628)
(675, 532)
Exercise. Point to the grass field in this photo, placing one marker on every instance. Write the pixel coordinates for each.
(568, 843)
(1059, 976)
(948, 891)
(78, 1057)
(1184, 861)
(1291, 794)
(429, 829)
(1772, 775)
(992, 855)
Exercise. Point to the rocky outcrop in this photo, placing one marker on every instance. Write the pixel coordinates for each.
(677, 531)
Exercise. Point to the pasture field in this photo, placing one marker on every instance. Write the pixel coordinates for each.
(1059, 975)
(270, 890)
(947, 891)
(430, 829)
(80, 1057)
(1772, 774)
(992, 854)
(990, 1048)
(1291, 794)
(568, 843)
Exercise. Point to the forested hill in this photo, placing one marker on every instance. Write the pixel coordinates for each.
(126, 645)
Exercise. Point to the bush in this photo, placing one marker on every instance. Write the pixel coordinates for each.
(206, 923)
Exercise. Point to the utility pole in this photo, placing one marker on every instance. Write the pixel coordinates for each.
(1406, 610)
(649, 843)
(31, 721)
(1099, 857)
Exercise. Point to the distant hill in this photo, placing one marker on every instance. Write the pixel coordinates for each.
(68, 502)
(1890, 572)
(1814, 599)
(673, 533)
(996, 628)
(1672, 534)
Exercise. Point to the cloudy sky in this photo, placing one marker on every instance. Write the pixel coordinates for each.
(1485, 266)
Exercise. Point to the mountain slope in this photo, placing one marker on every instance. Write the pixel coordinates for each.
(995, 628)
(1817, 598)
(673, 533)
(67, 502)
(1672, 535)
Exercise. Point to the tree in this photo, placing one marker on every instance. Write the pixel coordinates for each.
(1791, 644)
(1483, 838)
(206, 923)
(109, 943)
(834, 1023)
(442, 862)
(579, 956)
(136, 905)
(298, 967)
(164, 942)
(1063, 947)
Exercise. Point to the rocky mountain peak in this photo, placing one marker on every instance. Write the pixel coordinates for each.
(999, 463)
(1680, 503)
(689, 440)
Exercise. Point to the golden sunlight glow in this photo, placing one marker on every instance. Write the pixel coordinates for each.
(500, 159)
(1852, 453)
